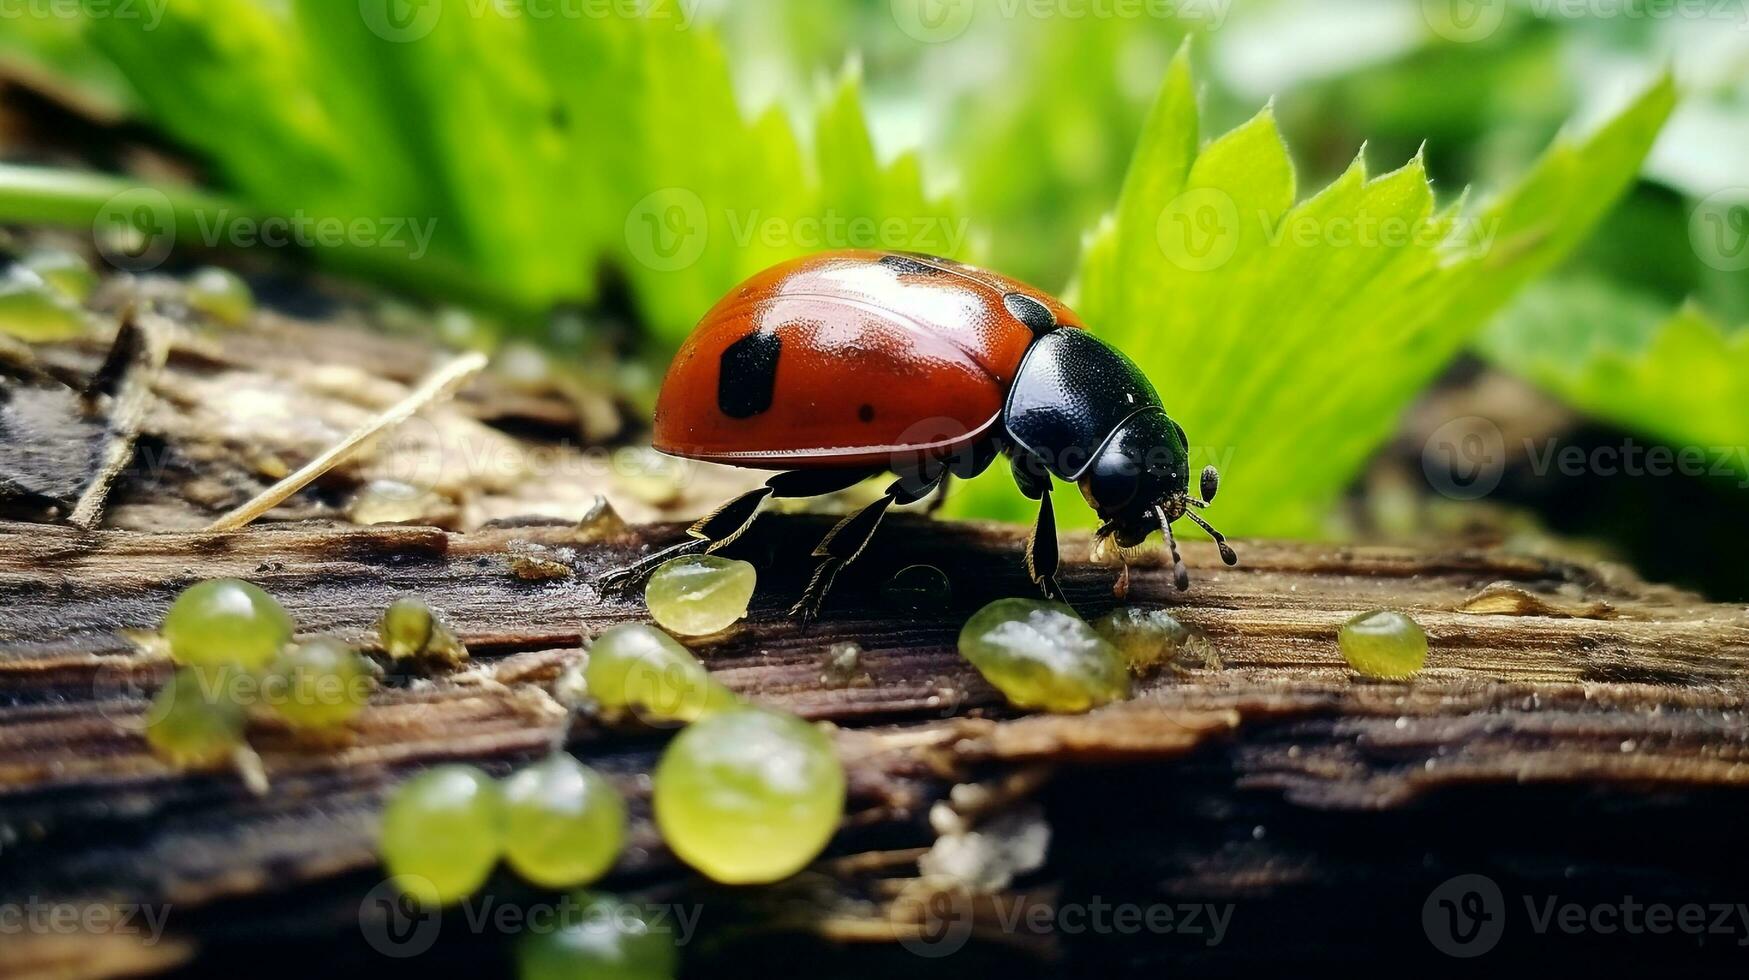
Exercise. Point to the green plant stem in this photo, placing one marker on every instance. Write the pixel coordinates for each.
(77, 199)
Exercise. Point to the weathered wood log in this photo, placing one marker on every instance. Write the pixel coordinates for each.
(1578, 736)
(1569, 687)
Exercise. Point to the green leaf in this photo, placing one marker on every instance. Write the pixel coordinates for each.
(1043, 134)
(540, 150)
(1288, 338)
(1620, 357)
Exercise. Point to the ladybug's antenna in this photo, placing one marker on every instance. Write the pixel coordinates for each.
(1178, 569)
(1211, 481)
(1227, 554)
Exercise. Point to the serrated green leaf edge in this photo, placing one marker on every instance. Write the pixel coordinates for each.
(1290, 361)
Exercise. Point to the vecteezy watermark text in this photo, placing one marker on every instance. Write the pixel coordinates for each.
(670, 228)
(942, 921)
(1466, 916)
(149, 13)
(58, 918)
(403, 21)
(939, 21)
(1468, 21)
(1201, 229)
(136, 229)
(1466, 458)
(223, 227)
(396, 925)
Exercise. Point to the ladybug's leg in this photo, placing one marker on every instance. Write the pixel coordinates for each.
(722, 526)
(725, 524)
(940, 497)
(849, 537)
(1041, 548)
(1041, 551)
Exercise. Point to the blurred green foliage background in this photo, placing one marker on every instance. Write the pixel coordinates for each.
(1567, 217)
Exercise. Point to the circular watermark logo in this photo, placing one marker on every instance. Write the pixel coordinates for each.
(118, 687)
(666, 696)
(1464, 21)
(135, 229)
(409, 461)
(1464, 916)
(1464, 458)
(933, 21)
(924, 438)
(1199, 230)
(668, 229)
(1719, 229)
(396, 924)
(400, 21)
(936, 921)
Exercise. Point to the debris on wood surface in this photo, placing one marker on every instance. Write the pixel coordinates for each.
(1566, 706)
(1645, 705)
(235, 411)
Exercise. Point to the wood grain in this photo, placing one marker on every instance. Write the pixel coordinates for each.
(1578, 733)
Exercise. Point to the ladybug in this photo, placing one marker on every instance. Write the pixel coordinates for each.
(843, 365)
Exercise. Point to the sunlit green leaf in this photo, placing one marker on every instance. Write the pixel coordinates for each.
(541, 151)
(1679, 377)
(1288, 338)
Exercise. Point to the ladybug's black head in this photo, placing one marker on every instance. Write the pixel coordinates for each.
(1139, 483)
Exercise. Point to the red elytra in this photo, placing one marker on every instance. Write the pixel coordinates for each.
(848, 358)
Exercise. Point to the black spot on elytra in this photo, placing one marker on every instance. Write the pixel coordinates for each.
(748, 375)
(1031, 312)
(904, 265)
(865, 413)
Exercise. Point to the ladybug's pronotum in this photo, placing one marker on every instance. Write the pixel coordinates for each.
(843, 365)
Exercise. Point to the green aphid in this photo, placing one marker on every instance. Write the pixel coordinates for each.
(32, 311)
(442, 832)
(641, 670)
(1041, 655)
(1147, 638)
(320, 683)
(749, 795)
(220, 294)
(697, 595)
(409, 629)
(1383, 644)
(65, 272)
(226, 622)
(195, 720)
(606, 940)
(564, 822)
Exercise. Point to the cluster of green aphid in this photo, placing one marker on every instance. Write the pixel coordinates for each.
(44, 292)
(1043, 655)
(233, 646)
(744, 794)
(557, 823)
